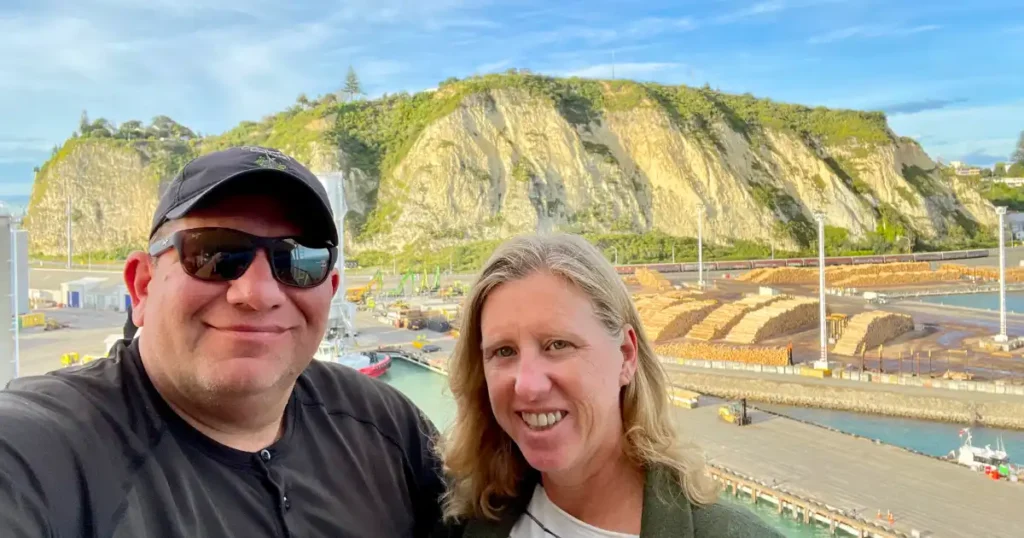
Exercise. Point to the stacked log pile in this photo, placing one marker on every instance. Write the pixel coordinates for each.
(660, 301)
(892, 279)
(1013, 274)
(781, 275)
(851, 275)
(675, 321)
(778, 319)
(871, 329)
(649, 278)
(719, 322)
(763, 355)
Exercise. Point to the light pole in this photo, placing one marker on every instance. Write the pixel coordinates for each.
(822, 363)
(1002, 336)
(700, 245)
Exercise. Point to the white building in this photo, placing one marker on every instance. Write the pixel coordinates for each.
(1015, 221)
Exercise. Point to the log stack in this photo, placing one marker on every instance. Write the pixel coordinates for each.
(836, 275)
(1013, 274)
(871, 329)
(763, 355)
(675, 321)
(722, 319)
(778, 319)
(658, 302)
(652, 279)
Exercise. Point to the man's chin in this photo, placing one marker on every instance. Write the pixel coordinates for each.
(245, 376)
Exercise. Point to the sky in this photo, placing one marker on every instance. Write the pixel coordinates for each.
(947, 72)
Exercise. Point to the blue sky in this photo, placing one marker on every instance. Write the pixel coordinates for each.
(948, 72)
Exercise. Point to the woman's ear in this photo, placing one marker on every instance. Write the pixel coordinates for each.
(628, 348)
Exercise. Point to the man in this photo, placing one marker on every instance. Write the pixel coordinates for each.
(215, 421)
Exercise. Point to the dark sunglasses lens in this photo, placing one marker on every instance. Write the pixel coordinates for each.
(299, 265)
(216, 255)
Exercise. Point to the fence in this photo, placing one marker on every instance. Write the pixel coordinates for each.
(866, 377)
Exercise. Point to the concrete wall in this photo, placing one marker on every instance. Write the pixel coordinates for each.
(1002, 413)
(867, 377)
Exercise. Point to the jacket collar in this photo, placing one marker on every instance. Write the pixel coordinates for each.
(666, 512)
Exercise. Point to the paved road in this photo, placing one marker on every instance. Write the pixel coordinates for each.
(857, 475)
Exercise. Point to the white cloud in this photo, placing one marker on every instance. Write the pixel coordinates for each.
(954, 132)
(871, 31)
(493, 67)
(625, 70)
(760, 8)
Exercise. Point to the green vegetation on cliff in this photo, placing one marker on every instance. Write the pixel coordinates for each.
(370, 139)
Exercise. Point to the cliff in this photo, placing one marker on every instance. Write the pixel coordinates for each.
(488, 157)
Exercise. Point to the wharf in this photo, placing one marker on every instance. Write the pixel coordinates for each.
(853, 478)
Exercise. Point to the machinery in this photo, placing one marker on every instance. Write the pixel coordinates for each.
(735, 413)
(361, 294)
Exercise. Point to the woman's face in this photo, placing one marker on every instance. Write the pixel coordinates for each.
(554, 373)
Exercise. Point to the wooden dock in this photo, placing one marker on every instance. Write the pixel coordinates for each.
(851, 480)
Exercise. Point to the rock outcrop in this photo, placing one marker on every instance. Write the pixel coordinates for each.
(489, 157)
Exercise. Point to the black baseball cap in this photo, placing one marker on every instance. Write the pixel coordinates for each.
(216, 172)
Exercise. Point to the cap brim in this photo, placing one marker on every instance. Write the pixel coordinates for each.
(187, 206)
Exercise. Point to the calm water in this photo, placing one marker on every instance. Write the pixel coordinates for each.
(987, 301)
(932, 438)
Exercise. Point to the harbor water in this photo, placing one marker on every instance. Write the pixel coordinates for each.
(984, 301)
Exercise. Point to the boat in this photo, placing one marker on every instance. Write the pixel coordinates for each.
(370, 363)
(993, 462)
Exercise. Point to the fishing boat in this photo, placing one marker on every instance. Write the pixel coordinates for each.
(993, 462)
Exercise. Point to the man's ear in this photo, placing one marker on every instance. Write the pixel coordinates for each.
(138, 273)
(628, 347)
(335, 281)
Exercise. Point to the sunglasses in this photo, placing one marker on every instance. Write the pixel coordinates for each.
(223, 254)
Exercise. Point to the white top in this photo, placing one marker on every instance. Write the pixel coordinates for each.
(558, 523)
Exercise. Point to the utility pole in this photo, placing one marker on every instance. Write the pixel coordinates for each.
(822, 363)
(67, 193)
(1002, 336)
(700, 245)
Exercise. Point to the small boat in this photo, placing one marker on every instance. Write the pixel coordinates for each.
(370, 363)
(993, 462)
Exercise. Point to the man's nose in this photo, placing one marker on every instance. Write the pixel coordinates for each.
(532, 380)
(256, 289)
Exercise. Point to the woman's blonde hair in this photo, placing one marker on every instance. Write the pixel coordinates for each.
(483, 465)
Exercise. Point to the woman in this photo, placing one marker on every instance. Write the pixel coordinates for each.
(562, 426)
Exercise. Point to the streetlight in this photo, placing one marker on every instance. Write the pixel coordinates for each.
(700, 244)
(822, 363)
(1002, 336)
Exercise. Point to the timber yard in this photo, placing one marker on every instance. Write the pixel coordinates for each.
(751, 334)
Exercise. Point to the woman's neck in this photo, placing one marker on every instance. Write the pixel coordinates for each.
(610, 496)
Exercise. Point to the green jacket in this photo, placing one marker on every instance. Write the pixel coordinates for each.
(667, 516)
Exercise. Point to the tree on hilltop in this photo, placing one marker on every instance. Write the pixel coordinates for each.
(352, 86)
(999, 170)
(1018, 154)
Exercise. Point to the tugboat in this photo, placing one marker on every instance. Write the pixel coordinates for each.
(370, 363)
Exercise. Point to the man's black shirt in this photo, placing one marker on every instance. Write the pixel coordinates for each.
(94, 451)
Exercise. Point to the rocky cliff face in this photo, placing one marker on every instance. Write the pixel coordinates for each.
(492, 157)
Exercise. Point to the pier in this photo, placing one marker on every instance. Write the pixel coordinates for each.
(847, 481)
